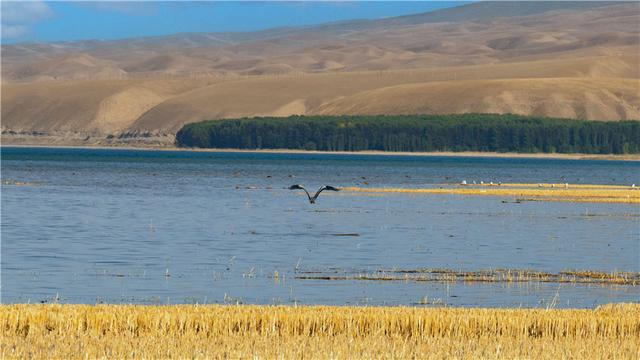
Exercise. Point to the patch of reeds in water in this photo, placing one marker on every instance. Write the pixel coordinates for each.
(267, 332)
(492, 275)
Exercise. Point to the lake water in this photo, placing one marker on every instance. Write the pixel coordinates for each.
(125, 226)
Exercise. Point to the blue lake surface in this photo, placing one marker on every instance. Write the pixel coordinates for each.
(133, 226)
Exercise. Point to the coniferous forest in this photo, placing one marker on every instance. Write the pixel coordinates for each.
(467, 132)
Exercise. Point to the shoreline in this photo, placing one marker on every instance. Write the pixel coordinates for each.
(473, 154)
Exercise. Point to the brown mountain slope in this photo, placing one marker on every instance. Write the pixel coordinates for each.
(395, 43)
(603, 98)
(95, 107)
(562, 59)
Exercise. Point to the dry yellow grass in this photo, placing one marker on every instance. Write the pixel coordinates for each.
(560, 186)
(528, 192)
(214, 331)
(256, 332)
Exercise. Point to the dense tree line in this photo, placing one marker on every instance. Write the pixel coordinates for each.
(468, 132)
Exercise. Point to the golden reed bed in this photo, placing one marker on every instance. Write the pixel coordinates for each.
(526, 192)
(490, 276)
(316, 332)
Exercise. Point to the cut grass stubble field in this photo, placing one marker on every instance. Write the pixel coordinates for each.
(239, 331)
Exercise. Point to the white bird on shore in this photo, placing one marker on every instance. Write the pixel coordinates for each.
(464, 182)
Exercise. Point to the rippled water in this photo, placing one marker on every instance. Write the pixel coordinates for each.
(117, 226)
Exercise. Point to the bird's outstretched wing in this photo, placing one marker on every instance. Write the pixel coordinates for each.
(298, 187)
(326, 187)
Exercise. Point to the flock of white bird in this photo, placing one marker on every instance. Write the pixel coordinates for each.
(464, 182)
(566, 185)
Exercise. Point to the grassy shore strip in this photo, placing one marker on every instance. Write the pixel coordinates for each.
(492, 276)
(559, 186)
(474, 154)
(527, 192)
(223, 332)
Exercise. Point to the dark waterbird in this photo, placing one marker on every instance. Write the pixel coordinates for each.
(312, 199)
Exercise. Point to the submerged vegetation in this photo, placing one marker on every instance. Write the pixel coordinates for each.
(417, 133)
(223, 332)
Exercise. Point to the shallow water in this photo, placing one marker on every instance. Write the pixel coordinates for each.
(180, 227)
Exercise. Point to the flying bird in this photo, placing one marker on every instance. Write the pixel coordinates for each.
(312, 199)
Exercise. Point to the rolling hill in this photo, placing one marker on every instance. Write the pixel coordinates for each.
(559, 59)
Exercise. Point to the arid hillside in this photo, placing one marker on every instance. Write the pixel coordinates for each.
(561, 59)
